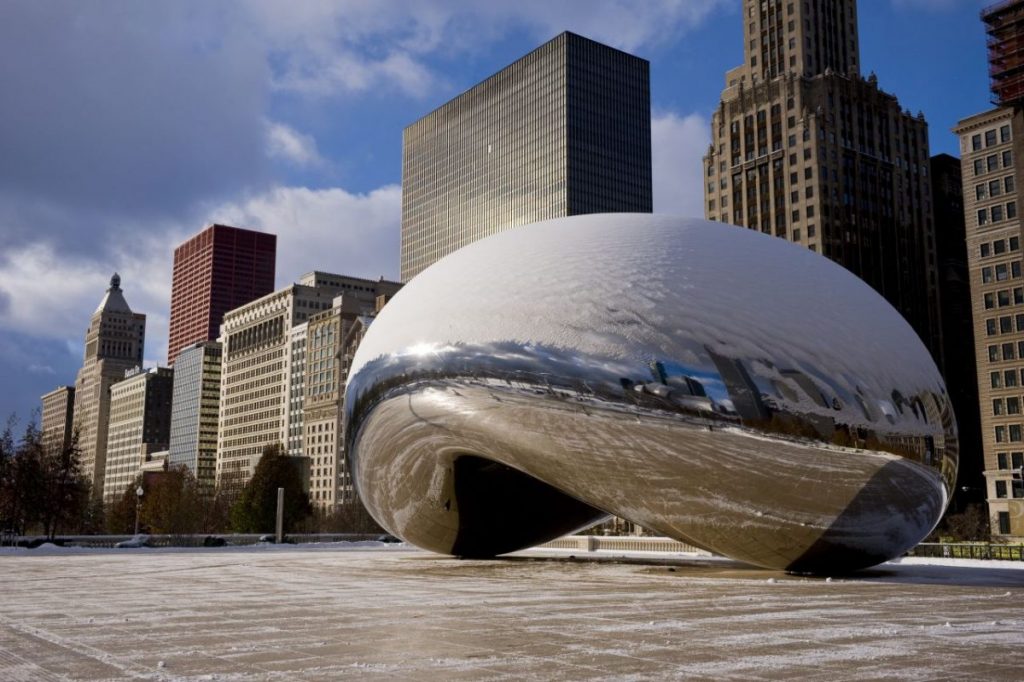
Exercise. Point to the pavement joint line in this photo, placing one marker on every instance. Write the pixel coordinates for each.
(39, 673)
(81, 649)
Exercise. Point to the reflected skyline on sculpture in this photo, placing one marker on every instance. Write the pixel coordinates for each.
(664, 394)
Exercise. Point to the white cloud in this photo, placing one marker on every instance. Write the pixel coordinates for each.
(354, 46)
(288, 144)
(625, 24)
(677, 147)
(51, 294)
(343, 72)
(325, 229)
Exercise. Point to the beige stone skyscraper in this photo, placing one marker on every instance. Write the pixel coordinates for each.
(114, 343)
(805, 148)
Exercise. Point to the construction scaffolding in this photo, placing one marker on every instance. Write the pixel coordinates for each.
(1004, 24)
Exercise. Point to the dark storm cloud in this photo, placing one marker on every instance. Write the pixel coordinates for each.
(137, 110)
(30, 367)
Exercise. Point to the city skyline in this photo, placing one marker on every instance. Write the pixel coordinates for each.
(295, 128)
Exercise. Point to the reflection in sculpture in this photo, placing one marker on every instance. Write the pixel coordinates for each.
(710, 383)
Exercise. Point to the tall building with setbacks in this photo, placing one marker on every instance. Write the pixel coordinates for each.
(565, 130)
(114, 343)
(805, 148)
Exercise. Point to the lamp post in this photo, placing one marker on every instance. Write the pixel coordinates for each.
(138, 506)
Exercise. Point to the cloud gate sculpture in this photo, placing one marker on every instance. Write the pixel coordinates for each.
(710, 383)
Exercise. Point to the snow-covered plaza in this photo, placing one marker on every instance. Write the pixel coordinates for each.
(335, 611)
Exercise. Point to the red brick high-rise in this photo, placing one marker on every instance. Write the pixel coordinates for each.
(219, 269)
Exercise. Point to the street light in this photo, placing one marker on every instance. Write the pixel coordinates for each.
(138, 506)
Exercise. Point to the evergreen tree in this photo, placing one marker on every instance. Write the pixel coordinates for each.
(256, 508)
(7, 487)
(65, 494)
(94, 520)
(120, 515)
(28, 481)
(173, 504)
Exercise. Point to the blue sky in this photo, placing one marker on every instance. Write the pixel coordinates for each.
(128, 126)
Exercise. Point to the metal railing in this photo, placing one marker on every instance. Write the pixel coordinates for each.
(968, 550)
(582, 543)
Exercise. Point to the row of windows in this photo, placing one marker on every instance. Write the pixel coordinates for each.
(997, 213)
(1017, 489)
(1008, 433)
(990, 163)
(1007, 460)
(994, 188)
(990, 137)
(999, 246)
(1010, 405)
(1004, 324)
(1002, 298)
(1000, 272)
(1005, 379)
(1005, 351)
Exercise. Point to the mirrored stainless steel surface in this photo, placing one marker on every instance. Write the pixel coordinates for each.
(707, 382)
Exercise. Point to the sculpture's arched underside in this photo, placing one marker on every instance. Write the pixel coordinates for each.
(709, 383)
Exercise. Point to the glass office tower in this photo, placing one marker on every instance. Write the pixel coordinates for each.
(564, 130)
(194, 410)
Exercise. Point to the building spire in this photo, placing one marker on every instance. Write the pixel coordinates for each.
(113, 300)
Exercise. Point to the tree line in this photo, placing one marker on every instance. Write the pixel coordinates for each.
(44, 490)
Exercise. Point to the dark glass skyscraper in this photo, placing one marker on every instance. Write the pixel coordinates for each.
(563, 131)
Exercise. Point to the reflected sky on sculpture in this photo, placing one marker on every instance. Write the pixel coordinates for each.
(719, 386)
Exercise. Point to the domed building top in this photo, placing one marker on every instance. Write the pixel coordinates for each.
(113, 301)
